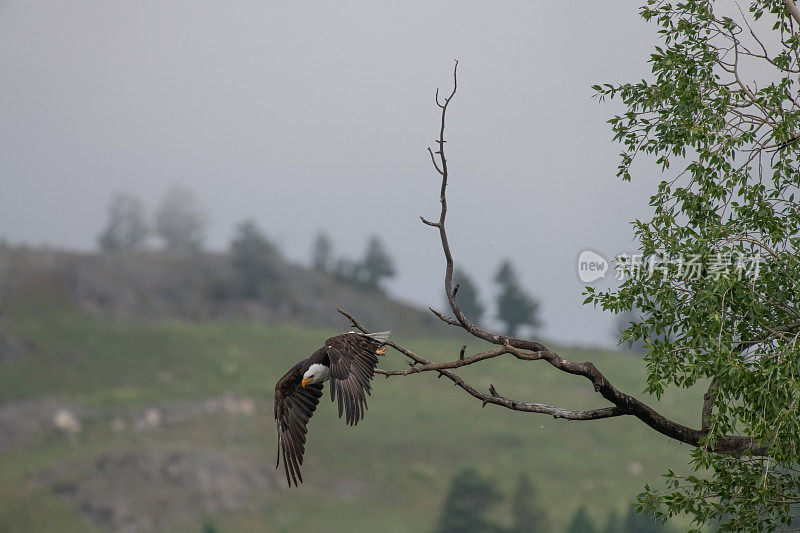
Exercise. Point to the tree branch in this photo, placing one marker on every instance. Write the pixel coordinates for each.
(493, 397)
(529, 350)
(708, 404)
(791, 7)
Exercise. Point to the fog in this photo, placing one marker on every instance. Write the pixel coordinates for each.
(309, 116)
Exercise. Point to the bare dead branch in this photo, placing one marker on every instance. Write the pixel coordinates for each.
(556, 412)
(529, 350)
(433, 160)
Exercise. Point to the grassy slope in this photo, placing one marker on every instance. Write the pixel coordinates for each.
(388, 473)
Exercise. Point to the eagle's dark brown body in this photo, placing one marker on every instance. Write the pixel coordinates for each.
(350, 359)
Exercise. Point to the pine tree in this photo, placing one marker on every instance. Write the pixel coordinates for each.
(253, 257)
(376, 265)
(613, 523)
(346, 271)
(528, 516)
(581, 522)
(179, 220)
(210, 527)
(321, 253)
(126, 228)
(515, 307)
(468, 501)
(467, 296)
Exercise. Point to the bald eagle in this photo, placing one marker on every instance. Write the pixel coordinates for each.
(348, 360)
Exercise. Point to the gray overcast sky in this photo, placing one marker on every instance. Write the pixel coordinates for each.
(308, 116)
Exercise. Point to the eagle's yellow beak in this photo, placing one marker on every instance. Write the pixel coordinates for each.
(305, 382)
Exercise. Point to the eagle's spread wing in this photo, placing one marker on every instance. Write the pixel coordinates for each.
(352, 361)
(294, 406)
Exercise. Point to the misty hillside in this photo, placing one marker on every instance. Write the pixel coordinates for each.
(166, 426)
(154, 285)
(160, 419)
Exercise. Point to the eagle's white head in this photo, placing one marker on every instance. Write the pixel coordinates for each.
(315, 374)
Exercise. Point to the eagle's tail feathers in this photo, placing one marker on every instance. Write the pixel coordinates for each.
(380, 336)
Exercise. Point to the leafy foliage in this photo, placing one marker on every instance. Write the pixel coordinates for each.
(728, 153)
(622, 323)
(641, 522)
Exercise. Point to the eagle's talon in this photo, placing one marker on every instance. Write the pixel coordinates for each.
(382, 350)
